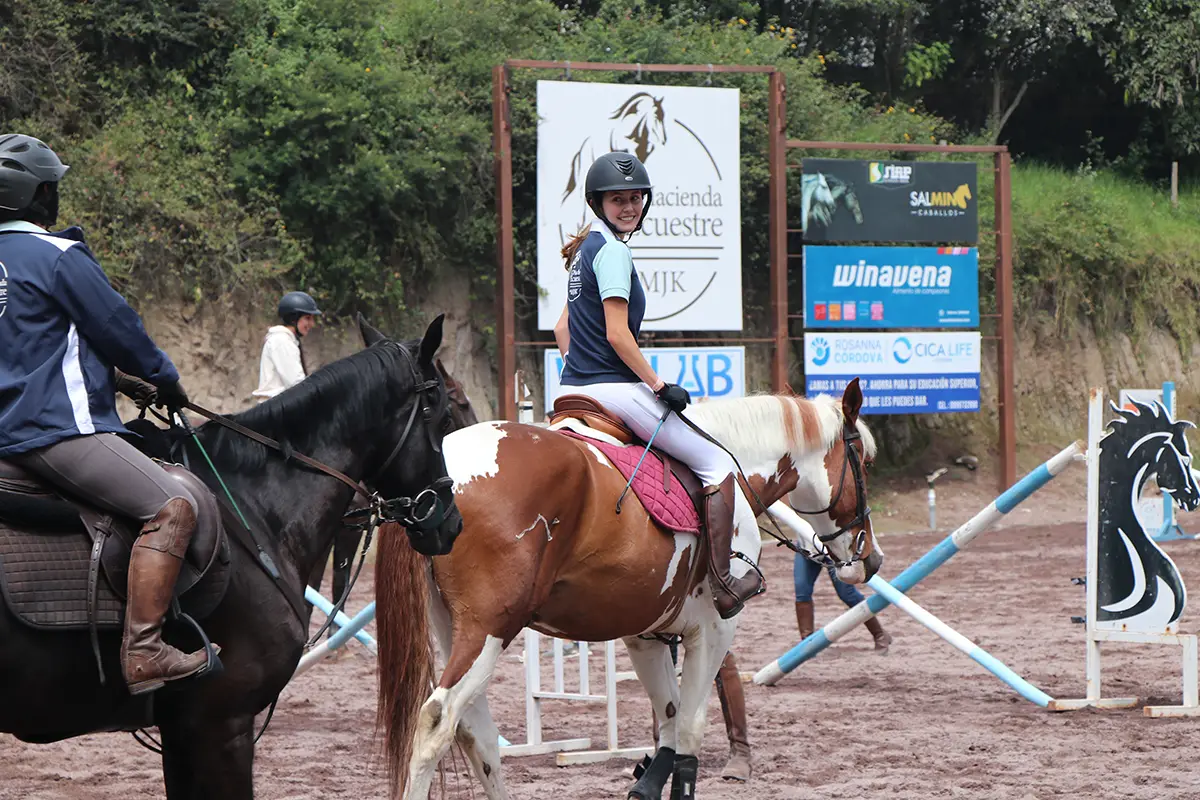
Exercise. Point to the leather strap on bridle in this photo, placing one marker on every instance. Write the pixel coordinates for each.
(287, 452)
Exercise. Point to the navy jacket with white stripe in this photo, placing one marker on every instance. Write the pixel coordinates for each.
(62, 330)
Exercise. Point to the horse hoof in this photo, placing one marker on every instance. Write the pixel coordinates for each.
(738, 767)
(683, 781)
(652, 775)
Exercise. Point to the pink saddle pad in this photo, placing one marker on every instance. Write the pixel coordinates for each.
(671, 508)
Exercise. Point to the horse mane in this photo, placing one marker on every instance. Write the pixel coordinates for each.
(341, 402)
(753, 425)
(1144, 419)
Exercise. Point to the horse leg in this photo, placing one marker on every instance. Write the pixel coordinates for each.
(468, 671)
(706, 642)
(479, 738)
(477, 733)
(652, 663)
(208, 758)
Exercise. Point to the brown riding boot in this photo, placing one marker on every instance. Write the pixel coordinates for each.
(804, 618)
(730, 593)
(733, 707)
(882, 638)
(158, 553)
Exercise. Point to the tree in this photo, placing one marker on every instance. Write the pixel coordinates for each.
(1152, 47)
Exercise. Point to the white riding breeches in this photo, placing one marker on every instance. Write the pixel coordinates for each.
(638, 408)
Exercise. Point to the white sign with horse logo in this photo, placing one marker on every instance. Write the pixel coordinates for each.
(689, 252)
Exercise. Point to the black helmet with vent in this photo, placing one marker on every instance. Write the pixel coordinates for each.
(613, 172)
(295, 305)
(26, 165)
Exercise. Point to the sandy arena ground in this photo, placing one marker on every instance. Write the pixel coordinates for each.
(922, 722)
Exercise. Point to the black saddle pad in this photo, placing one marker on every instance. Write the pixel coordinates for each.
(44, 580)
(50, 569)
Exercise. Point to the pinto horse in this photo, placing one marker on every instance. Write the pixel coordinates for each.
(377, 416)
(543, 547)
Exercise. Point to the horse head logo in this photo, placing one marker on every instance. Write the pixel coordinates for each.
(1137, 578)
(820, 196)
(639, 121)
(642, 114)
(961, 195)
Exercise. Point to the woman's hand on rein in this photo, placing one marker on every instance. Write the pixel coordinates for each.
(674, 396)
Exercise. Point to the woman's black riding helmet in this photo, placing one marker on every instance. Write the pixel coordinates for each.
(616, 172)
(26, 166)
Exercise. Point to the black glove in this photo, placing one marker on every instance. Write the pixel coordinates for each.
(172, 395)
(674, 396)
(142, 393)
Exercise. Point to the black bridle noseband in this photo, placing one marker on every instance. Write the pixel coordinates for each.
(427, 510)
(862, 512)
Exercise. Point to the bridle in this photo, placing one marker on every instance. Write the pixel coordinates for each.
(423, 512)
(862, 512)
(427, 510)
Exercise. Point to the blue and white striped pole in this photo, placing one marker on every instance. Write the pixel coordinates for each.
(770, 674)
(327, 648)
(976, 653)
(341, 620)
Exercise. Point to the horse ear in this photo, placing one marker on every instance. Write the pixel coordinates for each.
(432, 340)
(852, 400)
(370, 335)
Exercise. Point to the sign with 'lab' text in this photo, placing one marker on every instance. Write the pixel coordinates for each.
(889, 201)
(891, 287)
(901, 373)
(689, 251)
(706, 372)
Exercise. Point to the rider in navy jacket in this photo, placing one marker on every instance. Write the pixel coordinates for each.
(62, 330)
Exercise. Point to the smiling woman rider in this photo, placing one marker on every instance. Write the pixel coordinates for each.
(597, 335)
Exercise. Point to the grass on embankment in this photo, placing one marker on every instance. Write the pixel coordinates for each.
(1095, 245)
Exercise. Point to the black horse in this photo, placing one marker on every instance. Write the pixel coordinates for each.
(378, 416)
(345, 544)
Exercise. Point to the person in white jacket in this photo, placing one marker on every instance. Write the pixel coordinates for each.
(282, 365)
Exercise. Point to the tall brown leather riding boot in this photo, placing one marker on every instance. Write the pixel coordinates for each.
(729, 593)
(733, 707)
(804, 618)
(148, 661)
(883, 640)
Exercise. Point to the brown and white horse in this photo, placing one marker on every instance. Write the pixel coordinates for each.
(543, 547)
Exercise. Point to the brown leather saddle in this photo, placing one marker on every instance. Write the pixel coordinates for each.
(597, 417)
(64, 564)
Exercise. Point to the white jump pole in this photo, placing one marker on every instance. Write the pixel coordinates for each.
(960, 642)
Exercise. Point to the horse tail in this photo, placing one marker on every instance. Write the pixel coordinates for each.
(405, 649)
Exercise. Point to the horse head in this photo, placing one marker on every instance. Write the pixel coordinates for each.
(844, 193)
(836, 493)
(1148, 436)
(644, 113)
(961, 195)
(415, 467)
(461, 410)
(817, 203)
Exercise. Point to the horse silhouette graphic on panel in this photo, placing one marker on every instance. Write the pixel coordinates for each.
(1139, 585)
(638, 126)
(820, 196)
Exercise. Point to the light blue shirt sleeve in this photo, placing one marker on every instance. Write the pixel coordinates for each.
(613, 266)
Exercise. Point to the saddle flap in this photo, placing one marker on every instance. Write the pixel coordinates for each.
(592, 414)
(41, 525)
